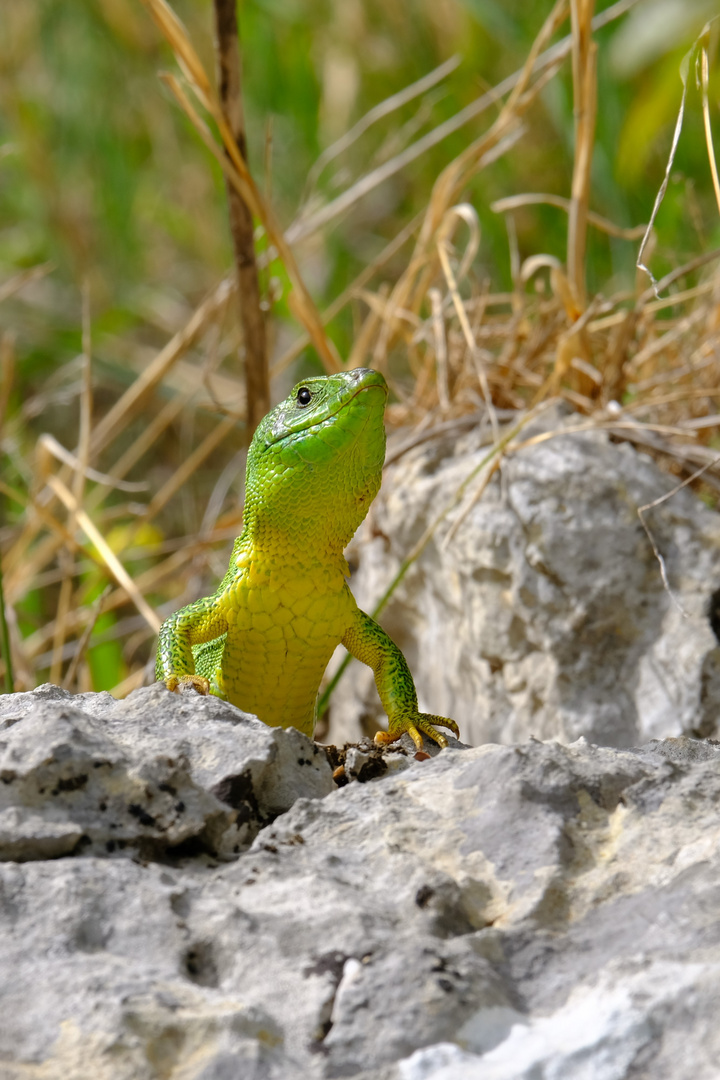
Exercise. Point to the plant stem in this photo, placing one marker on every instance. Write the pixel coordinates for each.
(241, 222)
(5, 642)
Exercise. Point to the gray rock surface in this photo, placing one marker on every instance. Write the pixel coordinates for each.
(157, 774)
(545, 614)
(529, 912)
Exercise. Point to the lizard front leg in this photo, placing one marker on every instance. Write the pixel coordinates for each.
(369, 643)
(196, 624)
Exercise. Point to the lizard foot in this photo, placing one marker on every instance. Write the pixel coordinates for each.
(422, 722)
(181, 684)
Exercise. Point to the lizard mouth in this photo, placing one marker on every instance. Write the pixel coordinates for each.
(344, 404)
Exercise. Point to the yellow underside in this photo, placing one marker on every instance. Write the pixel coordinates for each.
(279, 642)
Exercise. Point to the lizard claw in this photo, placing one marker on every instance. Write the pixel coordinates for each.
(422, 723)
(181, 684)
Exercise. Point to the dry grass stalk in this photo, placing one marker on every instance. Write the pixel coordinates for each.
(82, 461)
(113, 564)
(84, 641)
(584, 68)
(468, 334)
(706, 112)
(257, 380)
(440, 342)
(515, 202)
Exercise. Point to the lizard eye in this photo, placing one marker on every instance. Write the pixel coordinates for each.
(304, 397)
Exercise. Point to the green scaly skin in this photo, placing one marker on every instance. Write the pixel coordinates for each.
(263, 640)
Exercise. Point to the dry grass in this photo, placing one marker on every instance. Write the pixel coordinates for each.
(643, 364)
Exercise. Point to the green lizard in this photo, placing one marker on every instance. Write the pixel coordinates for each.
(263, 640)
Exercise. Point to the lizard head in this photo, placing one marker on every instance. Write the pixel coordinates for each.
(318, 455)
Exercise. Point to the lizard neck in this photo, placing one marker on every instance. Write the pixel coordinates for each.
(295, 545)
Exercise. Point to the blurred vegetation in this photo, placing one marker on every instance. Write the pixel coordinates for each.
(105, 185)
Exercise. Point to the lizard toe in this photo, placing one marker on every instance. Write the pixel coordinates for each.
(417, 726)
(440, 721)
(182, 685)
(425, 724)
(384, 738)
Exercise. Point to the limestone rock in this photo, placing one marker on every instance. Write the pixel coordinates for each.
(545, 613)
(528, 912)
(157, 773)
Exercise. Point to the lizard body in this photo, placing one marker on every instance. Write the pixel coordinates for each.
(263, 639)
